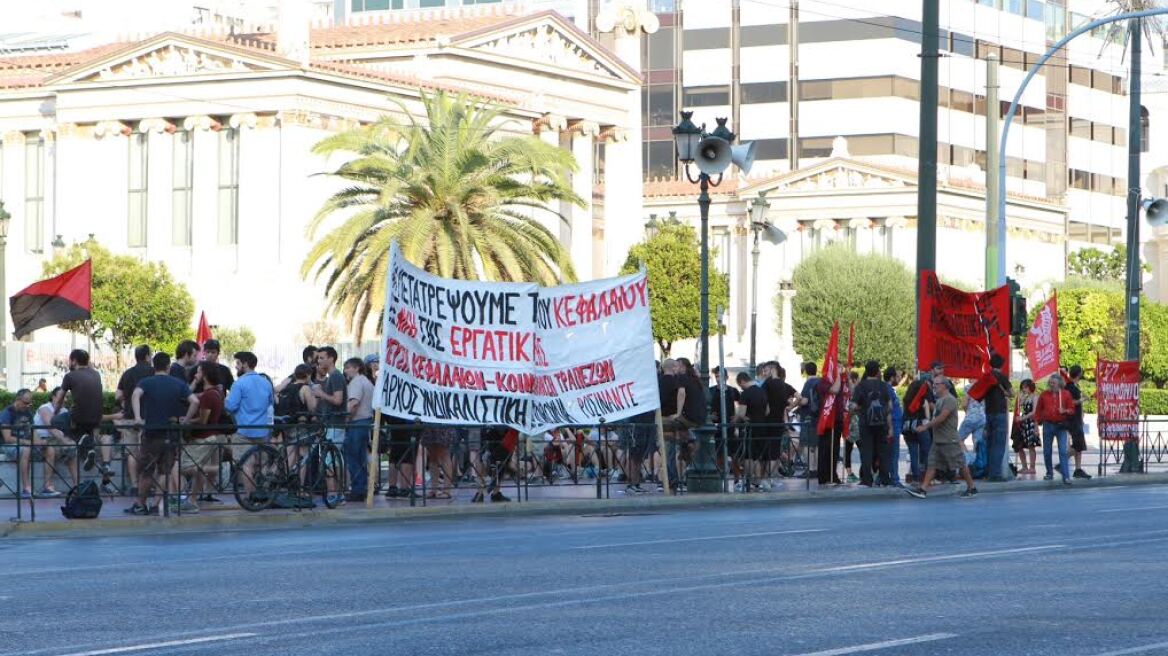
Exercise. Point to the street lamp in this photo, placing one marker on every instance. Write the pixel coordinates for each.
(759, 226)
(712, 154)
(58, 245)
(5, 217)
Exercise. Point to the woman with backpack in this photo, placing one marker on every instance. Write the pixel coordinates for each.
(872, 405)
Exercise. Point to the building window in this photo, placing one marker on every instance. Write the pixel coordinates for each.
(34, 195)
(429, 4)
(182, 184)
(707, 96)
(136, 209)
(228, 186)
(1145, 128)
(376, 5)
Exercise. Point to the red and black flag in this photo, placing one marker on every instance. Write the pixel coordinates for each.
(61, 299)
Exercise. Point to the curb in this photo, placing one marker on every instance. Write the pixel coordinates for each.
(271, 520)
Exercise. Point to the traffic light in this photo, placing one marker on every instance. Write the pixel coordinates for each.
(1018, 314)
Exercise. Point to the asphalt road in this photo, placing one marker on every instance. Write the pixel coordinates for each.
(1067, 572)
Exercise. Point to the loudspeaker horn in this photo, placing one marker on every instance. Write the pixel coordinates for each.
(743, 155)
(772, 234)
(1155, 211)
(713, 155)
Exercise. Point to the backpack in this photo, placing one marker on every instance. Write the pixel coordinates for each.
(877, 413)
(288, 403)
(812, 407)
(82, 502)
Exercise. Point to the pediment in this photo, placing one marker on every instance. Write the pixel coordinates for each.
(836, 175)
(170, 56)
(554, 43)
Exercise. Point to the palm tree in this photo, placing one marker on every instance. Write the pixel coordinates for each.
(459, 198)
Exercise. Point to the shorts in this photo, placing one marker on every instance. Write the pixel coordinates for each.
(946, 457)
(204, 453)
(335, 435)
(300, 435)
(80, 428)
(66, 448)
(241, 445)
(158, 454)
(1078, 439)
(397, 443)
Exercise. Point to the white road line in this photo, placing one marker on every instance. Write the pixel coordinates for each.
(874, 646)
(707, 537)
(160, 645)
(1132, 509)
(933, 559)
(1136, 650)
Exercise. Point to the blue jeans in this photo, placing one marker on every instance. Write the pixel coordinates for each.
(1049, 432)
(918, 452)
(894, 459)
(975, 426)
(357, 453)
(996, 436)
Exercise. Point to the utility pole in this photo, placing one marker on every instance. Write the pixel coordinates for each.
(995, 256)
(1131, 453)
(927, 162)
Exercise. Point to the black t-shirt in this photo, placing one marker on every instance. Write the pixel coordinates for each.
(129, 380)
(695, 400)
(85, 386)
(995, 399)
(755, 400)
(778, 395)
(180, 372)
(225, 376)
(668, 386)
(164, 400)
(1076, 394)
(869, 390)
(716, 407)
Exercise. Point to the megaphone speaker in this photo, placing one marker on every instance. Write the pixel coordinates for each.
(743, 156)
(1156, 212)
(713, 155)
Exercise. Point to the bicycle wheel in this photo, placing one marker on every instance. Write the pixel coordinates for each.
(257, 477)
(330, 474)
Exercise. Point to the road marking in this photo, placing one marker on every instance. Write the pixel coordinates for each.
(707, 537)
(874, 646)
(160, 645)
(1132, 509)
(1136, 650)
(932, 559)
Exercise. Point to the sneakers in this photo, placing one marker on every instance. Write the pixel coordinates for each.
(499, 497)
(477, 498)
(969, 493)
(1067, 481)
(109, 488)
(209, 498)
(138, 510)
(916, 492)
(1079, 473)
(46, 493)
(1048, 477)
(852, 478)
(634, 489)
(391, 492)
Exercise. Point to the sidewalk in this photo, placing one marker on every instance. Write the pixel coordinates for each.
(558, 499)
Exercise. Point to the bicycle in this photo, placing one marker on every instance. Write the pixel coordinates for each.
(265, 470)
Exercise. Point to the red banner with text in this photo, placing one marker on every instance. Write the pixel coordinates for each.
(962, 329)
(1042, 341)
(1117, 390)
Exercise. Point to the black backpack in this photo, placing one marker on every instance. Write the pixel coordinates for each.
(288, 403)
(877, 413)
(82, 502)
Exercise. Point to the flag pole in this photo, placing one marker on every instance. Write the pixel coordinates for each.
(663, 469)
(374, 460)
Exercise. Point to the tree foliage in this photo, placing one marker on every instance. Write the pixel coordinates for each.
(233, 339)
(134, 302)
(457, 197)
(672, 258)
(1094, 264)
(874, 292)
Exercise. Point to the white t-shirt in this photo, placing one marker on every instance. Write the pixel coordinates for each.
(361, 391)
(39, 422)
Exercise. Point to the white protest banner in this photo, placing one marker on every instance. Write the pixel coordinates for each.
(515, 354)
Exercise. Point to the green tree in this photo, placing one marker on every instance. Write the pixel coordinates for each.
(874, 292)
(233, 339)
(134, 302)
(458, 197)
(672, 259)
(1154, 356)
(1094, 264)
(1091, 326)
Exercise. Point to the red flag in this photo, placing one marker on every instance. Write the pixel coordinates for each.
(64, 298)
(203, 335)
(846, 388)
(1042, 341)
(830, 373)
(962, 329)
(1118, 394)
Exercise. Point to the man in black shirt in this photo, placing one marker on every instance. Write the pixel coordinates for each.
(184, 360)
(873, 404)
(997, 419)
(125, 424)
(1075, 426)
(730, 397)
(211, 354)
(779, 396)
(752, 408)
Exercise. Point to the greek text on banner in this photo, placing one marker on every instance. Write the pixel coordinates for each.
(516, 354)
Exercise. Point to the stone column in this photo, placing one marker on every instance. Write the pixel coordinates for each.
(205, 185)
(628, 20)
(159, 185)
(579, 238)
(549, 127)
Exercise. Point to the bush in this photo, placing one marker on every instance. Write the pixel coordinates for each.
(875, 292)
(40, 398)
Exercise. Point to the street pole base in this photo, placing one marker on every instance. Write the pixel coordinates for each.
(704, 482)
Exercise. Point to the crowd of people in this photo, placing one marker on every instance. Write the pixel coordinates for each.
(179, 418)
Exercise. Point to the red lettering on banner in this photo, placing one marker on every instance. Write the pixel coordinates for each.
(1118, 396)
(587, 375)
(407, 323)
(962, 329)
(571, 310)
(1042, 341)
(494, 345)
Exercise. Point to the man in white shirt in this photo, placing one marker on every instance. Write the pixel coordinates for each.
(359, 391)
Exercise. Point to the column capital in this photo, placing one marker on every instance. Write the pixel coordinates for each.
(613, 134)
(68, 130)
(583, 128)
(14, 137)
(201, 122)
(157, 125)
(895, 222)
(549, 122)
(111, 129)
(242, 120)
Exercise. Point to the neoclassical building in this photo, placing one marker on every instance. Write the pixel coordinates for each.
(195, 149)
